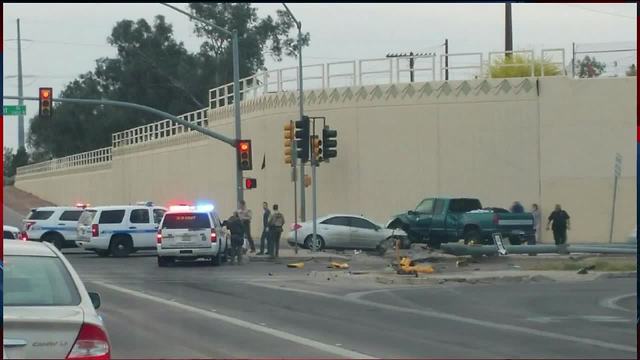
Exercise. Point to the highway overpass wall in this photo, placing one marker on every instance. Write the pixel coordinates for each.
(548, 140)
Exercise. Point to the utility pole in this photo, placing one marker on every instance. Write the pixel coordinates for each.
(303, 211)
(508, 31)
(446, 59)
(411, 57)
(20, 91)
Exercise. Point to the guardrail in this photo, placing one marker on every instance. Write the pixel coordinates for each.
(94, 157)
(380, 71)
(158, 130)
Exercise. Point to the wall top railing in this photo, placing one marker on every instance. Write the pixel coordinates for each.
(89, 158)
(381, 71)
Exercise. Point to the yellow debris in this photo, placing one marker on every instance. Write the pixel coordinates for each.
(337, 265)
(298, 265)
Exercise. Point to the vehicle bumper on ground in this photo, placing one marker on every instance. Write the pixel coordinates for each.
(187, 252)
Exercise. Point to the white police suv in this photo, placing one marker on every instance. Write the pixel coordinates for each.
(53, 224)
(119, 230)
(189, 233)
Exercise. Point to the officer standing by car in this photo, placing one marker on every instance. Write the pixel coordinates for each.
(265, 229)
(235, 226)
(245, 215)
(276, 222)
(561, 223)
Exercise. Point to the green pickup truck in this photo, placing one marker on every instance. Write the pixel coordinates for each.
(441, 220)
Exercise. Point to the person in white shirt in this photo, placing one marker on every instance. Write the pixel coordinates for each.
(245, 216)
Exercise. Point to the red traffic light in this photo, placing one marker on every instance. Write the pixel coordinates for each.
(244, 155)
(250, 183)
(44, 97)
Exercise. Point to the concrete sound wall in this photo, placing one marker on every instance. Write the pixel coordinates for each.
(548, 141)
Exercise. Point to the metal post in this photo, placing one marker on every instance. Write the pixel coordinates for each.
(446, 60)
(616, 174)
(20, 93)
(314, 164)
(411, 64)
(573, 62)
(236, 108)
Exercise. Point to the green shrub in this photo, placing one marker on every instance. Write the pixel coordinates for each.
(520, 66)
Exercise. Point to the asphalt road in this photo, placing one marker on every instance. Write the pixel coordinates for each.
(263, 309)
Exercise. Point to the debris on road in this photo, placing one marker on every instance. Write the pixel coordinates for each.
(298, 265)
(337, 265)
(585, 270)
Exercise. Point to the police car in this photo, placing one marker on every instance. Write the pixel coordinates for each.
(53, 224)
(119, 230)
(189, 233)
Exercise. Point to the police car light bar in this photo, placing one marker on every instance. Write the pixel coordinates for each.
(180, 208)
(145, 203)
(205, 207)
(83, 206)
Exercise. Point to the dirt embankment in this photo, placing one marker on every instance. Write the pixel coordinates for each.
(21, 201)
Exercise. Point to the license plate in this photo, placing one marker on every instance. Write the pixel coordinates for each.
(186, 251)
(186, 237)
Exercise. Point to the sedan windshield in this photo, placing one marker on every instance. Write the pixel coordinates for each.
(38, 281)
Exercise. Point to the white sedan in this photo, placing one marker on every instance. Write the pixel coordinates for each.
(48, 313)
(339, 231)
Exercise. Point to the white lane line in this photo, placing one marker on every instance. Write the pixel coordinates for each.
(245, 324)
(463, 319)
(612, 303)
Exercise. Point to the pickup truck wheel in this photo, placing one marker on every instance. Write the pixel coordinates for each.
(515, 240)
(472, 235)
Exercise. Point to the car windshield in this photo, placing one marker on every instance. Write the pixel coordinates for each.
(425, 207)
(38, 281)
(186, 221)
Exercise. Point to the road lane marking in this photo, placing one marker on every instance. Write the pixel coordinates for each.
(592, 318)
(612, 303)
(245, 324)
(463, 319)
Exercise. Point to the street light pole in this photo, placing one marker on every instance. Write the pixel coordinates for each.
(236, 89)
(299, 26)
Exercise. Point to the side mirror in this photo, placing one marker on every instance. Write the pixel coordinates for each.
(95, 300)
(411, 212)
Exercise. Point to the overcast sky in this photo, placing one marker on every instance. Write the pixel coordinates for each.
(66, 39)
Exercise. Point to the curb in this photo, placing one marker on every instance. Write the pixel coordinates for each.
(619, 275)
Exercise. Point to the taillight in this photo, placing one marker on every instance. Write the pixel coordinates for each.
(495, 219)
(92, 344)
(159, 237)
(95, 230)
(24, 236)
(214, 236)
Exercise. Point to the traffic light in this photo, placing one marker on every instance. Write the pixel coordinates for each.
(288, 142)
(244, 155)
(316, 148)
(329, 143)
(44, 96)
(302, 139)
(250, 183)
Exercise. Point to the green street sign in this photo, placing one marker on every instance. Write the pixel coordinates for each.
(14, 110)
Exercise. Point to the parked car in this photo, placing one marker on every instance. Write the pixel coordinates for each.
(53, 224)
(48, 313)
(190, 233)
(440, 220)
(119, 230)
(10, 232)
(340, 231)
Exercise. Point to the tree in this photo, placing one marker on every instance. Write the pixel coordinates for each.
(632, 70)
(518, 65)
(589, 67)
(7, 155)
(13, 161)
(152, 68)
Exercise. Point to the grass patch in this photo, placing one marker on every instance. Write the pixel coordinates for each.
(601, 265)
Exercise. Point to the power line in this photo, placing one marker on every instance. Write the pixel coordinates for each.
(60, 42)
(599, 11)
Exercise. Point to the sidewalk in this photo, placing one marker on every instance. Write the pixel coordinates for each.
(302, 255)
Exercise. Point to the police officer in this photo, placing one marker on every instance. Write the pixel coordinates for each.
(235, 226)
